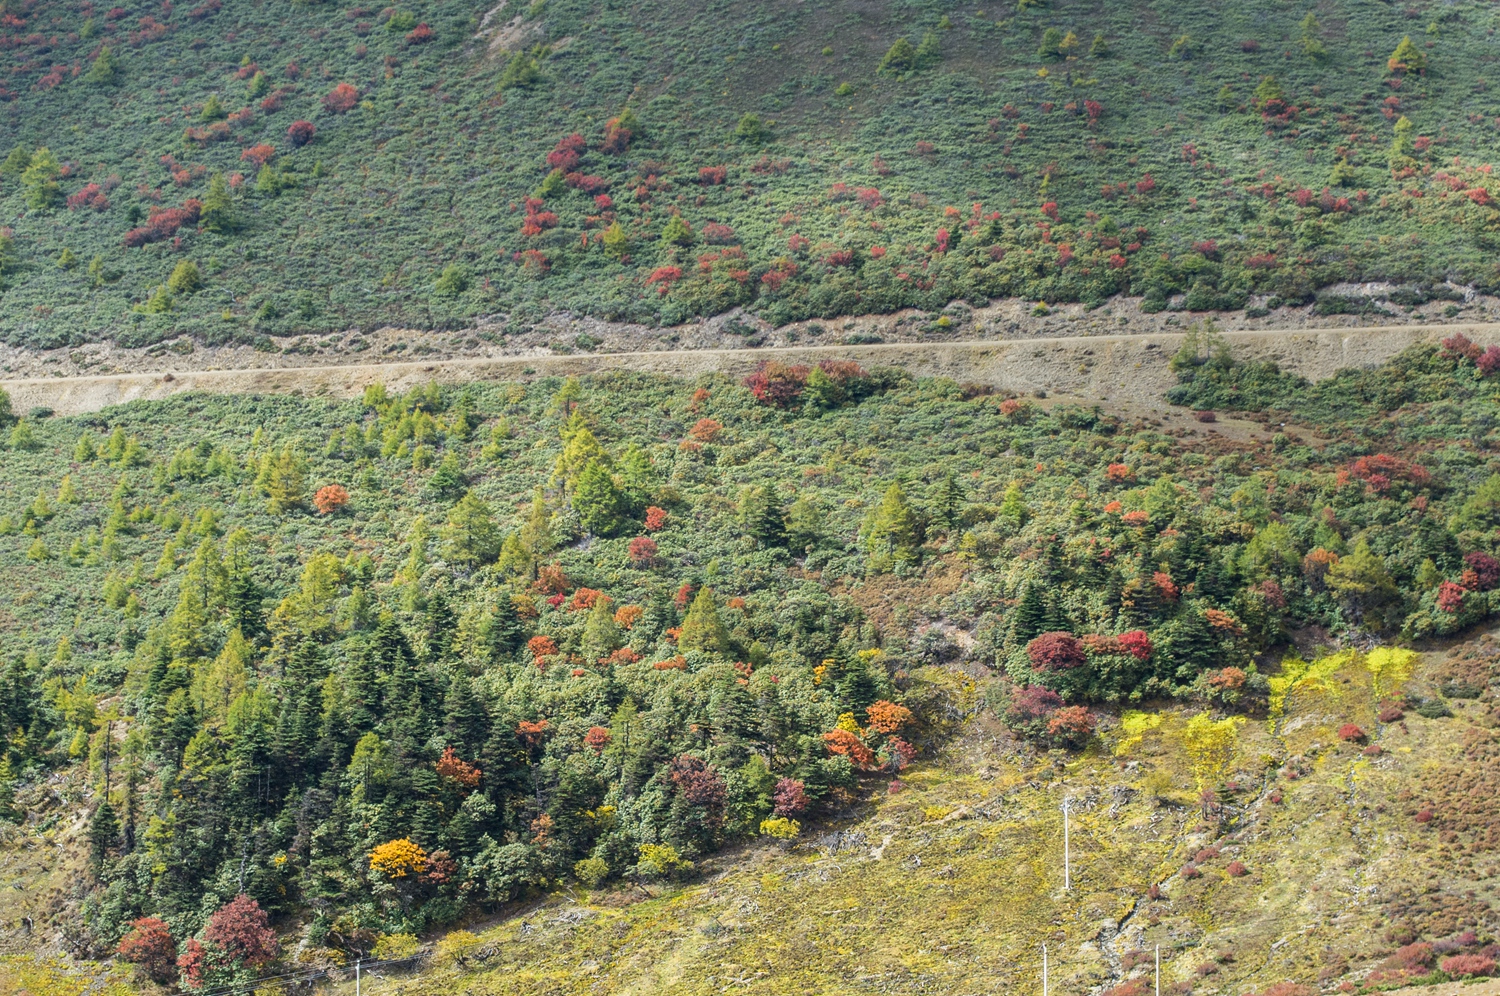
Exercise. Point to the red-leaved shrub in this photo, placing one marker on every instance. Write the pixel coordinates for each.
(341, 99)
(1461, 965)
(299, 133)
(1056, 651)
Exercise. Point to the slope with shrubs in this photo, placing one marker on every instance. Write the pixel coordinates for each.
(345, 670)
(1314, 849)
(232, 170)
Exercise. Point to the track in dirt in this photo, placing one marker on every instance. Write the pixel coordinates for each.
(1125, 368)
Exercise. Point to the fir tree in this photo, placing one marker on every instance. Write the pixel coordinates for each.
(703, 629)
(104, 835)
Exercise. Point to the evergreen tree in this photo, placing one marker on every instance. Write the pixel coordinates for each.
(759, 517)
(804, 525)
(465, 721)
(601, 635)
(892, 536)
(703, 629)
(470, 536)
(286, 486)
(105, 70)
(1407, 58)
(1029, 620)
(39, 181)
(217, 213)
(901, 57)
(599, 503)
(104, 835)
(503, 632)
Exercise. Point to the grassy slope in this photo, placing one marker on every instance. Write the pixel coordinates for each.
(967, 881)
(429, 170)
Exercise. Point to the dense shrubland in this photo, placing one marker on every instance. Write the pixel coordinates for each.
(377, 664)
(329, 167)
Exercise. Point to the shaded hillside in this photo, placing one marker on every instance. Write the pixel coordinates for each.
(322, 167)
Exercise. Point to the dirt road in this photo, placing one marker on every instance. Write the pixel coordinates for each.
(1104, 367)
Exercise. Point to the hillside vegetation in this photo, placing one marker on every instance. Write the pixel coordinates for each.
(302, 680)
(234, 170)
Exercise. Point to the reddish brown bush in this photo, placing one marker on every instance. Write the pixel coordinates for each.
(330, 498)
(1486, 569)
(258, 154)
(149, 944)
(642, 551)
(1351, 733)
(300, 133)
(1236, 869)
(341, 99)
(1056, 651)
(241, 930)
(1032, 703)
(1191, 871)
(456, 769)
(790, 798)
(1424, 816)
(1462, 965)
(1391, 714)
(1136, 643)
(163, 223)
(91, 196)
(1205, 416)
(1073, 725)
(1207, 854)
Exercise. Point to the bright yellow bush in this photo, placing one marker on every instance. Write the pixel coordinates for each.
(780, 828)
(1299, 675)
(398, 858)
(1134, 725)
(396, 946)
(1390, 667)
(1210, 746)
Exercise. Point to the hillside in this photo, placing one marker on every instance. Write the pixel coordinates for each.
(234, 171)
(288, 681)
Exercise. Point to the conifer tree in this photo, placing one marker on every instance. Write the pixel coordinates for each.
(704, 629)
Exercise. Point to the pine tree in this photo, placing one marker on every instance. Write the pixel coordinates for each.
(106, 69)
(39, 181)
(470, 536)
(217, 212)
(104, 835)
(901, 57)
(676, 232)
(892, 535)
(536, 532)
(503, 633)
(1013, 506)
(804, 525)
(1050, 47)
(580, 448)
(601, 635)
(465, 721)
(759, 517)
(1029, 620)
(944, 502)
(286, 486)
(1407, 58)
(703, 629)
(599, 503)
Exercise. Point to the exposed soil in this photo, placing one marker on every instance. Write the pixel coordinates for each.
(1115, 356)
